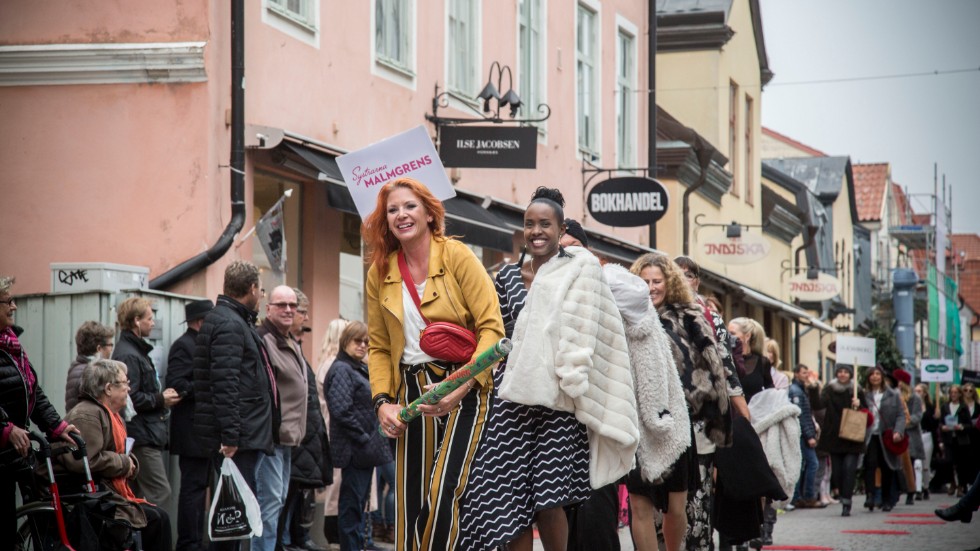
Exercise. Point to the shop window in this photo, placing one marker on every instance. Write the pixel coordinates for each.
(587, 65)
(463, 44)
(301, 12)
(393, 32)
(530, 73)
(625, 99)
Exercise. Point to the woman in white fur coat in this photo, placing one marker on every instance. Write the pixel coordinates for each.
(563, 419)
(665, 425)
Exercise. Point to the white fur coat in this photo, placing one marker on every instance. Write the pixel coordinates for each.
(570, 355)
(665, 425)
(776, 420)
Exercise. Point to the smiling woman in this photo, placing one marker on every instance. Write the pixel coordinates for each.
(434, 452)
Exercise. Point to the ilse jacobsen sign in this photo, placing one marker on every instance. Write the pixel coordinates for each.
(488, 146)
(628, 201)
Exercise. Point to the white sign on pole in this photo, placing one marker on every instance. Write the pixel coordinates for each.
(856, 350)
(936, 371)
(409, 154)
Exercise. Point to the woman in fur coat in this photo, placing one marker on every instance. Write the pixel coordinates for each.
(836, 396)
(703, 376)
(665, 426)
(563, 416)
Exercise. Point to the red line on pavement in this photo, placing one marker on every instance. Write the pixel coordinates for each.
(877, 532)
(797, 548)
(915, 522)
(912, 515)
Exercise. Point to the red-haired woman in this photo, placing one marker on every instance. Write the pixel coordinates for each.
(433, 453)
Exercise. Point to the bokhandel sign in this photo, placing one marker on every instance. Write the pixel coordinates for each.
(627, 201)
(489, 146)
(746, 249)
(825, 287)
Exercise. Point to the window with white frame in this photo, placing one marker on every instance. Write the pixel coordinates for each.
(462, 29)
(530, 73)
(586, 59)
(393, 32)
(301, 12)
(625, 99)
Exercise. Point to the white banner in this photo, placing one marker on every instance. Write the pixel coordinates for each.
(936, 371)
(855, 351)
(410, 154)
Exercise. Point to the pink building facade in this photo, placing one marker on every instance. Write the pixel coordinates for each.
(116, 125)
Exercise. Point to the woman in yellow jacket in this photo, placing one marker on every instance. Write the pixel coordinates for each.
(433, 453)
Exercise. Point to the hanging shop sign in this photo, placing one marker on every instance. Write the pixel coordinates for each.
(409, 154)
(628, 201)
(748, 248)
(935, 371)
(489, 146)
(825, 287)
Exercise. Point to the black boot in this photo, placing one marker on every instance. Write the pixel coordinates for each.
(925, 494)
(910, 499)
(845, 510)
(956, 512)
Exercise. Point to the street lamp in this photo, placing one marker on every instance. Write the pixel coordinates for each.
(489, 93)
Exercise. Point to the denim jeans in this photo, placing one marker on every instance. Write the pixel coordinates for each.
(806, 487)
(271, 485)
(354, 488)
(386, 501)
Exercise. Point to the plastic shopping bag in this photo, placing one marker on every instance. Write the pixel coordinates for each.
(234, 512)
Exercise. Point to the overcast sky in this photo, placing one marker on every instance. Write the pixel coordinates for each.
(911, 122)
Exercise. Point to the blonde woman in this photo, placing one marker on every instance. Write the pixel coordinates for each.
(780, 378)
(329, 495)
(758, 371)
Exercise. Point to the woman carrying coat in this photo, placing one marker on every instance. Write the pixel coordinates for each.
(434, 453)
(835, 397)
(885, 405)
(916, 410)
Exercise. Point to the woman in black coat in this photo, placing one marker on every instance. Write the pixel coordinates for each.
(356, 445)
(835, 397)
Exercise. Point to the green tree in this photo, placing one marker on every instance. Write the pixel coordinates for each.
(886, 348)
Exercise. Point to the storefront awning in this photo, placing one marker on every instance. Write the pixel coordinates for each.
(785, 309)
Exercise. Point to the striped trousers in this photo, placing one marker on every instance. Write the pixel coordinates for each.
(432, 464)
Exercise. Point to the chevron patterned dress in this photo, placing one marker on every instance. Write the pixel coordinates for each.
(531, 458)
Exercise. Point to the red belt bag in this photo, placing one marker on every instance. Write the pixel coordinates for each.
(441, 340)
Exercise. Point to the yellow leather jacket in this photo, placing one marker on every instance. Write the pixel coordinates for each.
(457, 290)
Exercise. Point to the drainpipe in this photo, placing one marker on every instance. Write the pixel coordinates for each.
(197, 263)
(704, 153)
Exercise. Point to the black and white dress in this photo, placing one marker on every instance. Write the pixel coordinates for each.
(531, 458)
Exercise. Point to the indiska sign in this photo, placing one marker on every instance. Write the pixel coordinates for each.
(628, 201)
(489, 146)
(825, 287)
(746, 249)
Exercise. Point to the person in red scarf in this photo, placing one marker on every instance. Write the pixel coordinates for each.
(104, 389)
(21, 402)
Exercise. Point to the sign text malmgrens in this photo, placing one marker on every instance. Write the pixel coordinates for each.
(628, 201)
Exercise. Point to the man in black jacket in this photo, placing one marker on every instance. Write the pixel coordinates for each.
(235, 398)
(805, 496)
(194, 458)
(149, 428)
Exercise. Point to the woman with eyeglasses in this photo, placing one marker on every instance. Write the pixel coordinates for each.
(434, 453)
(356, 445)
(22, 401)
(103, 393)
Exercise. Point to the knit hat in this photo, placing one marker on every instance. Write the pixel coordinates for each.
(576, 230)
(902, 375)
(845, 367)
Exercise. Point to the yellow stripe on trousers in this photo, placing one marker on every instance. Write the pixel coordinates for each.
(433, 461)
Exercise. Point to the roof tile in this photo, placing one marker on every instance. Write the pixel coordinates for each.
(870, 181)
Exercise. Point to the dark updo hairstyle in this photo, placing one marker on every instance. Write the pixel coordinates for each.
(553, 198)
